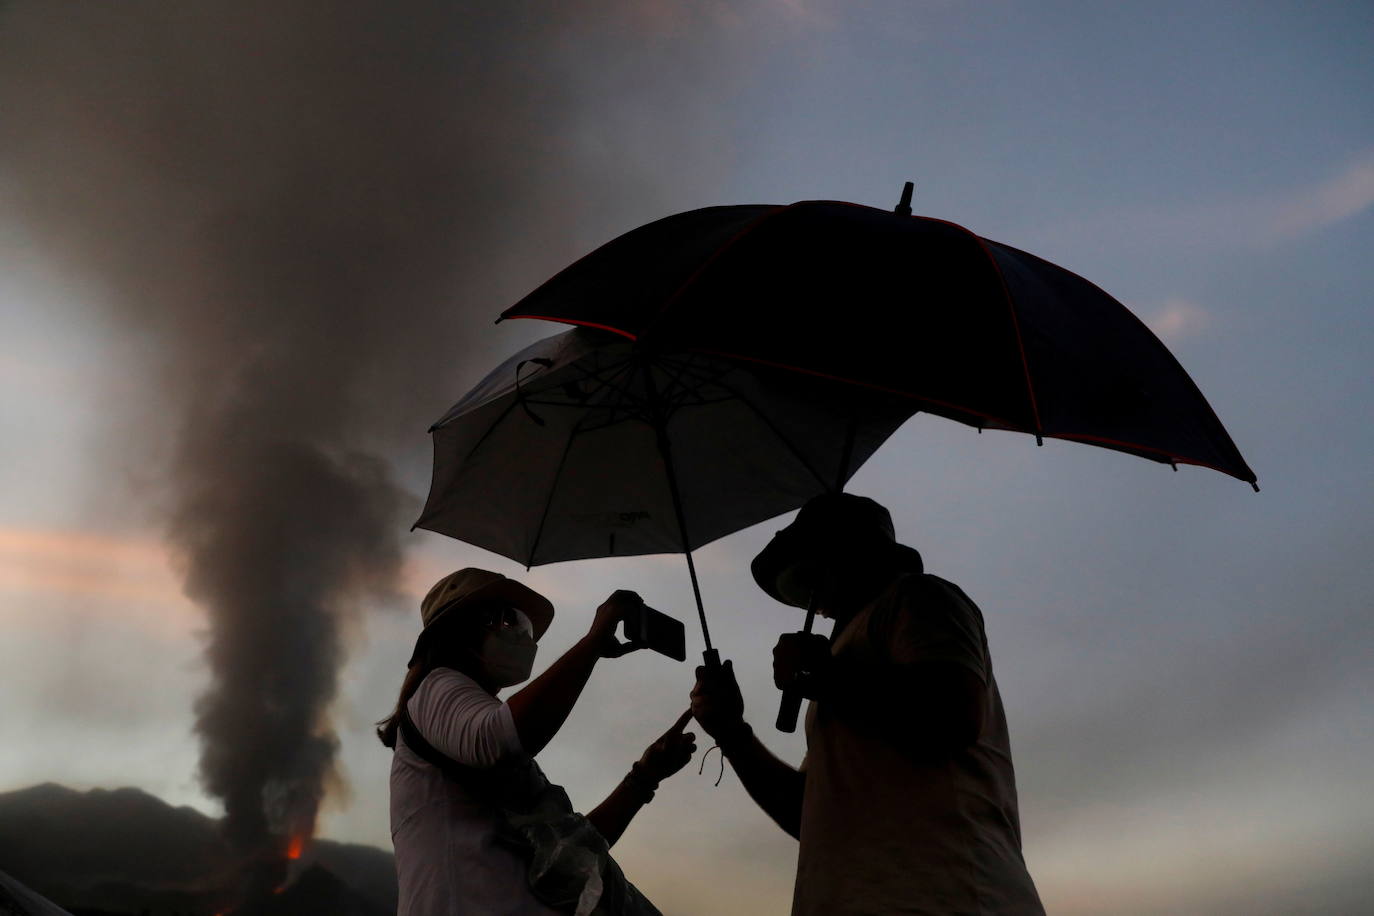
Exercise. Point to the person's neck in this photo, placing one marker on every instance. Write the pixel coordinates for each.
(862, 589)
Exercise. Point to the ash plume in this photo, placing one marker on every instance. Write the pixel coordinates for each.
(307, 211)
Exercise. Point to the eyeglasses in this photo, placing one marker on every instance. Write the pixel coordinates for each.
(510, 619)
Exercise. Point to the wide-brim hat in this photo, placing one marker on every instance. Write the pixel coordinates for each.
(831, 521)
(472, 588)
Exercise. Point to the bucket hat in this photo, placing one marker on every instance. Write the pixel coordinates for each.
(472, 588)
(826, 523)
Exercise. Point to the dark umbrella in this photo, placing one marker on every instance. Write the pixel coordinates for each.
(965, 327)
(968, 328)
(586, 444)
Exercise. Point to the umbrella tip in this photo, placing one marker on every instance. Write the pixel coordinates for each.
(904, 205)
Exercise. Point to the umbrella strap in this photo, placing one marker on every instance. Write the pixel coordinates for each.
(702, 769)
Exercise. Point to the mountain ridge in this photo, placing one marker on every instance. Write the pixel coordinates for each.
(126, 850)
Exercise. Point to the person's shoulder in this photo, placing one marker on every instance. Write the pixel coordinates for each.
(450, 675)
(945, 587)
(444, 682)
(919, 586)
(926, 592)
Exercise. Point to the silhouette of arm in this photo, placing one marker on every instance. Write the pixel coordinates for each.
(542, 706)
(666, 756)
(612, 816)
(776, 787)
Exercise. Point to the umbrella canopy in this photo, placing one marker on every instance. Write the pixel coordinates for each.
(587, 444)
(573, 449)
(968, 328)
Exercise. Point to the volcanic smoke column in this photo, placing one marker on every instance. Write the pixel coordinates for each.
(297, 215)
(278, 538)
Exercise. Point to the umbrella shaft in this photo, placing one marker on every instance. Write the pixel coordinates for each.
(660, 422)
(696, 590)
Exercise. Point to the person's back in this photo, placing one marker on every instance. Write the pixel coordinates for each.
(886, 828)
(448, 862)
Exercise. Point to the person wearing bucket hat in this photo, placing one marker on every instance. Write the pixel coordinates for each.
(477, 826)
(906, 799)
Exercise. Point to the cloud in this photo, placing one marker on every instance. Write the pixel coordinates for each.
(118, 568)
(1226, 221)
(1177, 318)
(1333, 200)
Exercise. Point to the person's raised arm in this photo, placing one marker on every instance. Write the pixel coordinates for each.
(775, 786)
(661, 759)
(542, 706)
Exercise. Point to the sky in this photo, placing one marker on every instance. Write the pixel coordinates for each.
(237, 225)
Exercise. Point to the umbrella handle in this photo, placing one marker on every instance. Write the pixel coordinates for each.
(712, 658)
(788, 711)
(790, 706)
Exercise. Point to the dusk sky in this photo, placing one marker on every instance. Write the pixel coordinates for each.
(226, 223)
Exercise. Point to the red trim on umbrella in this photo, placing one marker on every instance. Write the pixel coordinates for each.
(1170, 456)
(982, 243)
(716, 255)
(998, 422)
(1011, 307)
(1221, 428)
(582, 324)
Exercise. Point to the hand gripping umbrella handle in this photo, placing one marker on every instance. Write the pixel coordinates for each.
(790, 706)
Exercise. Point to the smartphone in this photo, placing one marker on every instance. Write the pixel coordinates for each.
(656, 630)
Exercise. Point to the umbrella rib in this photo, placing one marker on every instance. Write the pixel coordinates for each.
(606, 377)
(998, 421)
(702, 377)
(476, 445)
(490, 429)
(796, 453)
(1015, 319)
(715, 256)
(675, 370)
(548, 502)
(1220, 429)
(613, 383)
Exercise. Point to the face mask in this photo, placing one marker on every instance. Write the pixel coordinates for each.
(507, 656)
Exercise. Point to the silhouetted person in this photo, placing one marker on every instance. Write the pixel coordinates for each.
(906, 801)
(476, 825)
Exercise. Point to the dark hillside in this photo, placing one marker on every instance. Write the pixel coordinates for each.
(125, 851)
